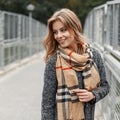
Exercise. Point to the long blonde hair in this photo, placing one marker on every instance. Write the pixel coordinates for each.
(71, 22)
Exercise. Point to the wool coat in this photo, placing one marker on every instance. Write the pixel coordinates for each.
(48, 105)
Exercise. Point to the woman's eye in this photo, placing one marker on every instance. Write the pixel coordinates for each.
(54, 32)
(63, 30)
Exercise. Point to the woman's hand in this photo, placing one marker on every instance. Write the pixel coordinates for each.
(84, 95)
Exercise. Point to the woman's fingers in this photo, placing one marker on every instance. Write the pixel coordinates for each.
(79, 90)
(83, 95)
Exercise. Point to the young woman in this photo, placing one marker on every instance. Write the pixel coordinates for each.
(74, 77)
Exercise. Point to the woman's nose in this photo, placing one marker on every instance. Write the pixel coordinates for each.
(59, 35)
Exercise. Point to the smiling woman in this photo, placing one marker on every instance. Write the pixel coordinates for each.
(74, 76)
(70, 22)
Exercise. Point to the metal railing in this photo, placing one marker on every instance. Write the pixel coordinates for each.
(102, 26)
(17, 40)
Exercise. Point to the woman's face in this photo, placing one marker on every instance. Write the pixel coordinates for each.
(63, 36)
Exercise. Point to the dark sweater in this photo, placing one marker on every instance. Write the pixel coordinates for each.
(49, 111)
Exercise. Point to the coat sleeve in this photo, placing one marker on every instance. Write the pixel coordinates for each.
(103, 89)
(48, 111)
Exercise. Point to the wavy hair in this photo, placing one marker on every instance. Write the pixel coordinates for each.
(71, 22)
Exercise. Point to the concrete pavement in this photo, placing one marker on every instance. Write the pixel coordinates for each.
(20, 92)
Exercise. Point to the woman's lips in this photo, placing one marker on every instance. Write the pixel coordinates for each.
(61, 41)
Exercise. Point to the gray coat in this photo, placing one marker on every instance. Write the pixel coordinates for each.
(49, 111)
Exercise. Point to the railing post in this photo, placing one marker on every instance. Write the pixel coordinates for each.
(30, 33)
(115, 26)
(2, 40)
(19, 37)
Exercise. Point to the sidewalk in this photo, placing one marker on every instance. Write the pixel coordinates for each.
(20, 92)
(98, 115)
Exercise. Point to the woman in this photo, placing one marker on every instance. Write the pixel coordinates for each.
(74, 77)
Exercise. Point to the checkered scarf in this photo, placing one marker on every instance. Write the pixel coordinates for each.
(68, 105)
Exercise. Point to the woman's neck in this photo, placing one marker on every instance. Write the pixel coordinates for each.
(74, 48)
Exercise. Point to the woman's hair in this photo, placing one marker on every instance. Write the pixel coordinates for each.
(71, 22)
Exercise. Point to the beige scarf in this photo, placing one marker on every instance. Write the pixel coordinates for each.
(68, 105)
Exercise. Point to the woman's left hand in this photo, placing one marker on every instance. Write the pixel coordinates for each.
(84, 95)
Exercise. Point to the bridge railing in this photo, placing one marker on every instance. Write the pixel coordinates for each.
(17, 40)
(102, 26)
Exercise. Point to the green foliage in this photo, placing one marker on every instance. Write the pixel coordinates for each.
(45, 8)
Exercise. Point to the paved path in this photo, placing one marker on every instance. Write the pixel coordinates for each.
(20, 92)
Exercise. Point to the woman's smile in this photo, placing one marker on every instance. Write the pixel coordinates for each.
(62, 41)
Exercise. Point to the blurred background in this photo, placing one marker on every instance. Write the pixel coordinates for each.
(45, 8)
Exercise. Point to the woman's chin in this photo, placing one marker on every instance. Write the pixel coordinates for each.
(63, 46)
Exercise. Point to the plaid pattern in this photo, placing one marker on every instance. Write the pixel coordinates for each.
(68, 105)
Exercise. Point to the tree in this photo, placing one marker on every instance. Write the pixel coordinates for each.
(45, 8)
